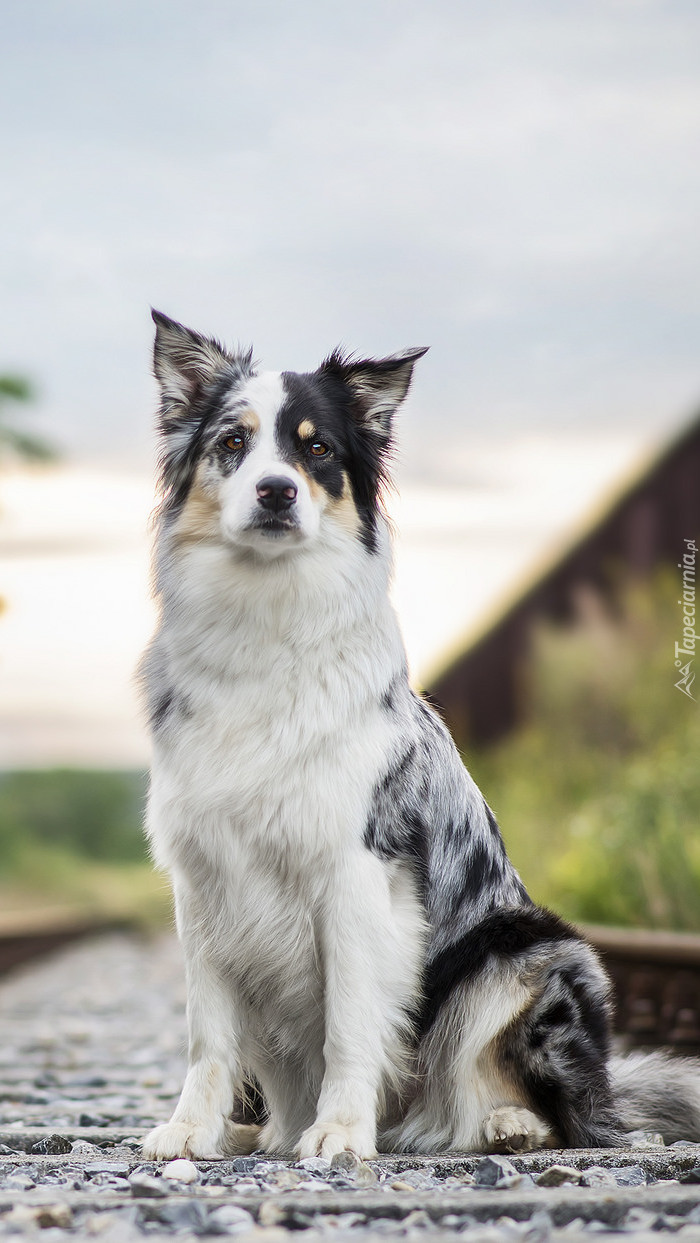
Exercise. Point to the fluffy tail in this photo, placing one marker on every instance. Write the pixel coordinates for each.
(658, 1092)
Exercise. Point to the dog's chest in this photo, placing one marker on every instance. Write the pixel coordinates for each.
(258, 800)
(284, 750)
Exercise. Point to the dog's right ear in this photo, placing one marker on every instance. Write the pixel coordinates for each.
(186, 364)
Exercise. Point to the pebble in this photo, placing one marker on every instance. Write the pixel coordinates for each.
(146, 1185)
(271, 1213)
(105, 1167)
(639, 1218)
(319, 1165)
(285, 1180)
(229, 1219)
(414, 1180)
(179, 1217)
(596, 1176)
(357, 1171)
(628, 1175)
(52, 1145)
(181, 1171)
(59, 1215)
(496, 1171)
(418, 1220)
(558, 1175)
(244, 1165)
(19, 1182)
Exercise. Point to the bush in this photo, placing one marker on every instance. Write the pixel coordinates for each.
(73, 839)
(90, 814)
(599, 794)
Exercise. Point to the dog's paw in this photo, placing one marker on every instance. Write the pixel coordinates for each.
(510, 1129)
(327, 1139)
(182, 1139)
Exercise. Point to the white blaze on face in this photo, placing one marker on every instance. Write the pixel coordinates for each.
(263, 396)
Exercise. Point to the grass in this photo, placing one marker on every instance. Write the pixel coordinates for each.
(599, 794)
(73, 838)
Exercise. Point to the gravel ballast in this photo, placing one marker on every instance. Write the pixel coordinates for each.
(92, 1055)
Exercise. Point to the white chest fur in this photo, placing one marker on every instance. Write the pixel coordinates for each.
(263, 773)
(274, 687)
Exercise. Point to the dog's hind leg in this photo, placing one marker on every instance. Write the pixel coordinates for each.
(516, 1057)
(466, 1095)
(558, 1048)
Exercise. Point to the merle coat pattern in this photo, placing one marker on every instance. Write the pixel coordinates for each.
(358, 946)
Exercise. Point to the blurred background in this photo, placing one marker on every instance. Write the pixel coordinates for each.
(516, 185)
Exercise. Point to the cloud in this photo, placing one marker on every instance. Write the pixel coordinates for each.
(512, 183)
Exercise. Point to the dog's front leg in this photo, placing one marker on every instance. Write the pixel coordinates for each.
(365, 995)
(200, 1125)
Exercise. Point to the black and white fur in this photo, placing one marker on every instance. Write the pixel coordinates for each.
(357, 943)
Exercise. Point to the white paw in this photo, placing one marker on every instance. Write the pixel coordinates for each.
(182, 1139)
(327, 1139)
(510, 1129)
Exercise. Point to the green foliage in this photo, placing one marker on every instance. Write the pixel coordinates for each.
(16, 386)
(83, 814)
(72, 838)
(18, 389)
(599, 794)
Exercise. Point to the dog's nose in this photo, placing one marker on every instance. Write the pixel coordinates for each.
(276, 492)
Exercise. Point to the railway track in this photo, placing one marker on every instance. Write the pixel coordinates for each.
(25, 935)
(656, 979)
(92, 1055)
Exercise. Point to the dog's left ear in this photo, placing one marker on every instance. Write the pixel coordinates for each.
(377, 385)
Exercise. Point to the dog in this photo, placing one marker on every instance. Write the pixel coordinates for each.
(358, 946)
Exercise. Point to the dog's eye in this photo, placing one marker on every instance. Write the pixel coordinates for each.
(319, 449)
(234, 443)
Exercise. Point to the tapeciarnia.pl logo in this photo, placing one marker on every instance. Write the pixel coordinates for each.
(687, 647)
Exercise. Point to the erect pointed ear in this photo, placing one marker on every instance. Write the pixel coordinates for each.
(186, 363)
(377, 385)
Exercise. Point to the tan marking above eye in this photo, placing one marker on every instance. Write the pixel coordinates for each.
(306, 430)
(249, 422)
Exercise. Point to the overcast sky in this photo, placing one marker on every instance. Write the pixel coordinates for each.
(514, 182)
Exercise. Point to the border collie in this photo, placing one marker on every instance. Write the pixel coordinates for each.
(357, 943)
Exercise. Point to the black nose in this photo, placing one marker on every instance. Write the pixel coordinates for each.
(276, 492)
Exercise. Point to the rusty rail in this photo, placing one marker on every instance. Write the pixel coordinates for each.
(656, 976)
(25, 935)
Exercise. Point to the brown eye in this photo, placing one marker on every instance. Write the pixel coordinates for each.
(234, 443)
(319, 449)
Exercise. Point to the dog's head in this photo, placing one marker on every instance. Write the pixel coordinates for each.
(264, 461)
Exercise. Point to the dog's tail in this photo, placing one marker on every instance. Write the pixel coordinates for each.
(658, 1092)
